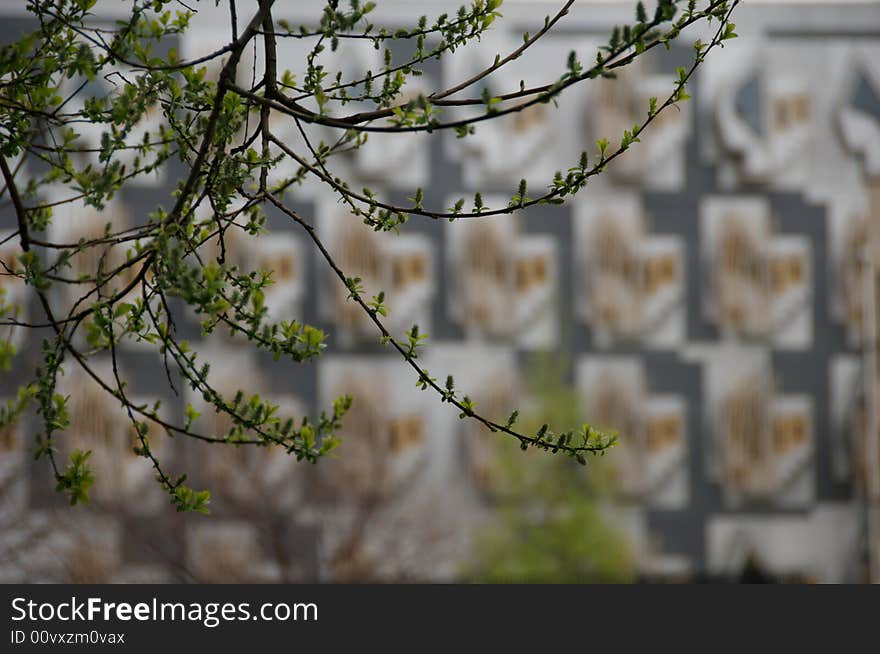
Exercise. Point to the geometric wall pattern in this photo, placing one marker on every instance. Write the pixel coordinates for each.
(714, 291)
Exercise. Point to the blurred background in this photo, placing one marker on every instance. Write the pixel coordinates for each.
(713, 296)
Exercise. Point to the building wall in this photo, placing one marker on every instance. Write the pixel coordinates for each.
(709, 290)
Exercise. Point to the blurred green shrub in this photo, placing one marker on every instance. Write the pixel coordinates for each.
(549, 524)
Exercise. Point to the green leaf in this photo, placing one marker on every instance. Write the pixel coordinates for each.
(729, 32)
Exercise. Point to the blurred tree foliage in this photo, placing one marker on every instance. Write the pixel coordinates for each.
(550, 526)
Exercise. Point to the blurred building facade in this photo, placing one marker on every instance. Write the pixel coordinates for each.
(718, 290)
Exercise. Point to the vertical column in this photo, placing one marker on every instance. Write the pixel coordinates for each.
(872, 368)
